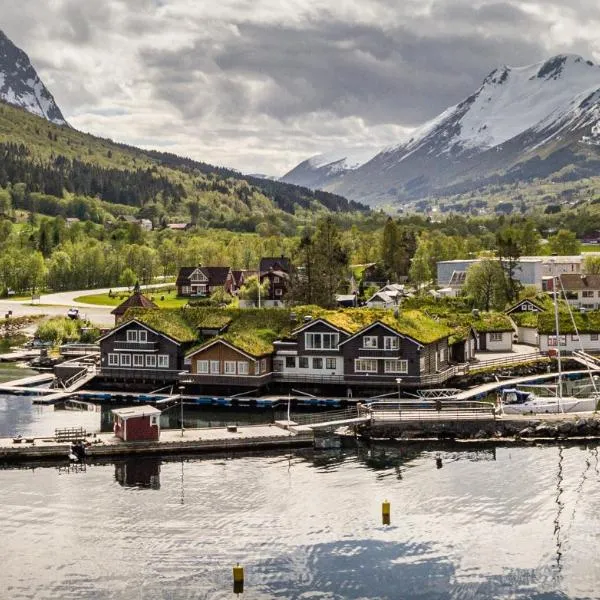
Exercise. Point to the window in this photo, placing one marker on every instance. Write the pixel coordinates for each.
(574, 337)
(370, 341)
(113, 360)
(552, 340)
(163, 361)
(278, 365)
(154, 420)
(275, 279)
(229, 367)
(442, 354)
(593, 338)
(151, 360)
(186, 290)
(303, 362)
(317, 362)
(279, 292)
(257, 367)
(495, 337)
(391, 342)
(242, 367)
(142, 335)
(365, 365)
(395, 366)
(316, 341)
(290, 362)
(263, 365)
(587, 294)
(138, 360)
(331, 364)
(132, 335)
(125, 360)
(215, 367)
(202, 366)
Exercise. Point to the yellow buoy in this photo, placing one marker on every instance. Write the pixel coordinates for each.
(238, 579)
(385, 512)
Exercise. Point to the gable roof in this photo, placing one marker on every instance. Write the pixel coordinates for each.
(136, 300)
(141, 324)
(381, 297)
(279, 263)
(574, 282)
(215, 275)
(250, 350)
(316, 321)
(538, 307)
(380, 324)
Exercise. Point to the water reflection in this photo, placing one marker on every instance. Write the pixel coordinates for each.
(139, 472)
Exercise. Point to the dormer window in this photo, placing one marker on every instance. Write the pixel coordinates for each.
(391, 342)
(321, 341)
(370, 341)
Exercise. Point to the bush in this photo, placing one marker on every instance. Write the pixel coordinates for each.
(58, 330)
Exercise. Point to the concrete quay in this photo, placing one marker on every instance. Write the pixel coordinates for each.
(246, 438)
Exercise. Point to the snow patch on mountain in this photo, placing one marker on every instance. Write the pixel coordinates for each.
(342, 160)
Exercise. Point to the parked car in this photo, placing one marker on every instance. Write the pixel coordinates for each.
(73, 313)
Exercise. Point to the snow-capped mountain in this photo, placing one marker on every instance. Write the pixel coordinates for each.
(521, 123)
(21, 86)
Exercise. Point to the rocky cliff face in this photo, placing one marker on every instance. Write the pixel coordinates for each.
(541, 120)
(21, 86)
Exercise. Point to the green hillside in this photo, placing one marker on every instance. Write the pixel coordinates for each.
(65, 172)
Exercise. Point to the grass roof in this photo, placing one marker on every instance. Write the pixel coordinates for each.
(588, 322)
(167, 321)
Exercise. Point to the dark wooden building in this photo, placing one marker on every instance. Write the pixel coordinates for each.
(136, 300)
(203, 281)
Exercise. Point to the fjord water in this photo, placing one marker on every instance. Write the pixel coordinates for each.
(519, 522)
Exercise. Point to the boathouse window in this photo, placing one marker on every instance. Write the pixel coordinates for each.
(303, 362)
(362, 365)
(391, 342)
(317, 363)
(242, 367)
(202, 366)
(163, 361)
(496, 337)
(370, 341)
(230, 367)
(331, 363)
(395, 366)
(215, 367)
(151, 360)
(317, 341)
(113, 360)
(257, 367)
(125, 360)
(132, 335)
(138, 360)
(290, 362)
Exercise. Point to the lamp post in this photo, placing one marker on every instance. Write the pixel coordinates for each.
(398, 381)
(181, 388)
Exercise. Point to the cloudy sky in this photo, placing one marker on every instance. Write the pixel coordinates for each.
(261, 85)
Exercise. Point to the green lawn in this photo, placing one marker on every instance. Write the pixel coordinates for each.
(162, 298)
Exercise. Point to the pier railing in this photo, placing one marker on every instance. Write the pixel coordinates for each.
(389, 412)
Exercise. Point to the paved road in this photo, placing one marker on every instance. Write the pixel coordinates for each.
(58, 304)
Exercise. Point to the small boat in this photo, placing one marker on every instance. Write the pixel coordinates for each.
(518, 402)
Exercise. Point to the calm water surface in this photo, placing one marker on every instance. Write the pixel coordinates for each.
(491, 523)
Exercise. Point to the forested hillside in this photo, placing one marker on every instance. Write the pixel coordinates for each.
(60, 171)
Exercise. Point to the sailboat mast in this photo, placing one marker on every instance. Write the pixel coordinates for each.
(559, 387)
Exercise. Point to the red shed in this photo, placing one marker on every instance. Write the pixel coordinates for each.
(137, 423)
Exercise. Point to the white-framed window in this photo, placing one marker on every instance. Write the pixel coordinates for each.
(290, 362)
(163, 361)
(154, 420)
(138, 360)
(552, 340)
(113, 360)
(125, 360)
(317, 362)
(365, 365)
(495, 337)
(442, 354)
(395, 366)
(132, 335)
(318, 341)
(142, 335)
(202, 366)
(257, 367)
(278, 365)
(275, 279)
(303, 362)
(587, 294)
(229, 367)
(151, 360)
(263, 365)
(279, 292)
(186, 290)
(242, 367)
(370, 341)
(331, 364)
(391, 342)
(215, 367)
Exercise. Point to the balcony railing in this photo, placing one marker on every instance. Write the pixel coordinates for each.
(213, 379)
(139, 346)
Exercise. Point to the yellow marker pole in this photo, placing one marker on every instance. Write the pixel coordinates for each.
(385, 512)
(238, 579)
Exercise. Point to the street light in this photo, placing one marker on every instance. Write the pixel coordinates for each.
(181, 388)
(398, 381)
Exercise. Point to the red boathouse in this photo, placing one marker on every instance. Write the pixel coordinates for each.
(137, 423)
